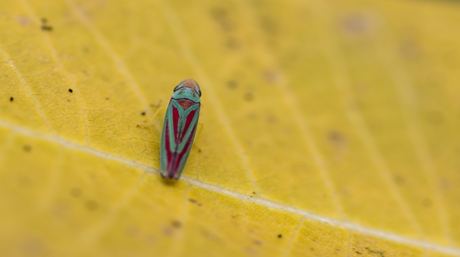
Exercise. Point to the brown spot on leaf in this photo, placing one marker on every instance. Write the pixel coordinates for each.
(257, 242)
(32, 247)
(400, 180)
(23, 20)
(176, 224)
(91, 205)
(75, 192)
(45, 25)
(132, 231)
(427, 202)
(359, 25)
(194, 201)
(410, 50)
(336, 138)
(249, 97)
(272, 76)
(232, 84)
(27, 148)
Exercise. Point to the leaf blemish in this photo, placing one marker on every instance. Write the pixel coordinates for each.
(257, 242)
(220, 15)
(381, 253)
(271, 118)
(426, 202)
(143, 113)
(249, 97)
(400, 180)
(280, 235)
(11, 99)
(176, 224)
(337, 138)
(194, 201)
(91, 205)
(27, 148)
(45, 25)
(70, 90)
(232, 84)
(75, 192)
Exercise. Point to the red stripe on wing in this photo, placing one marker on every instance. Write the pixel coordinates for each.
(179, 156)
(188, 121)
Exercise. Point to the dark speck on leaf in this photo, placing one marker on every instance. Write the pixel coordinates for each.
(337, 138)
(176, 224)
(27, 148)
(232, 43)
(70, 90)
(232, 84)
(249, 97)
(271, 118)
(143, 113)
(91, 205)
(380, 253)
(75, 192)
(194, 201)
(11, 99)
(45, 26)
(218, 13)
(106, 98)
(400, 180)
(280, 235)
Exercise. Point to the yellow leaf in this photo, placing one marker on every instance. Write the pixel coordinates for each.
(329, 128)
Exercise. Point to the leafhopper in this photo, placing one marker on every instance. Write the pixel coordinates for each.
(179, 128)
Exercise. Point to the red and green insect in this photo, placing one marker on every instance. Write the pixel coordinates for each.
(179, 128)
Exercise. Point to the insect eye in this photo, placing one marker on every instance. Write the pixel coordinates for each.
(178, 87)
(197, 89)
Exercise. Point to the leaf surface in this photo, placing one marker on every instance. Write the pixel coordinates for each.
(329, 128)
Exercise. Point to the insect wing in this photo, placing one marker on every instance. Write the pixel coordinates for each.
(177, 137)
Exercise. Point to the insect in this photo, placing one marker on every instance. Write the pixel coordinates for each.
(179, 128)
